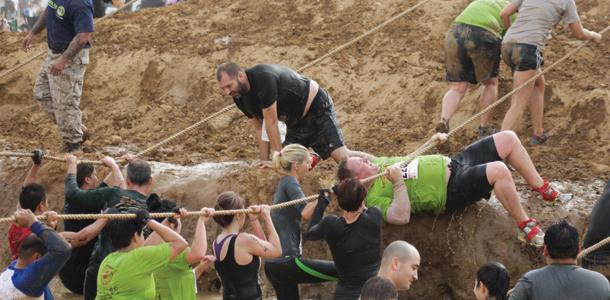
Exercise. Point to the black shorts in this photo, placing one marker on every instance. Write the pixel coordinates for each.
(522, 57)
(468, 181)
(319, 129)
(286, 273)
(471, 54)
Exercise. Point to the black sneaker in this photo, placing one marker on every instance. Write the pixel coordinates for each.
(71, 147)
(485, 131)
(442, 126)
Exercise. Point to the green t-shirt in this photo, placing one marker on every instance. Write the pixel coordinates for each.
(485, 14)
(129, 275)
(427, 192)
(176, 280)
(89, 201)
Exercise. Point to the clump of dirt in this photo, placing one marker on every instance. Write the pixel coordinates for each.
(152, 74)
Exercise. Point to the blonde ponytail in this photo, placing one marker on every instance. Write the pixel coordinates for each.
(293, 153)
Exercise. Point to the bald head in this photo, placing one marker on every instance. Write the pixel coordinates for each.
(400, 249)
(399, 264)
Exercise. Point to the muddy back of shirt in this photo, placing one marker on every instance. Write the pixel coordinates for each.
(536, 19)
(287, 221)
(274, 84)
(66, 18)
(484, 14)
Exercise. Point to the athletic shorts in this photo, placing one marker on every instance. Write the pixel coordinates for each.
(319, 129)
(468, 181)
(286, 273)
(471, 54)
(522, 57)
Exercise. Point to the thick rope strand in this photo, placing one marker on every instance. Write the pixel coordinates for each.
(373, 30)
(593, 248)
(47, 157)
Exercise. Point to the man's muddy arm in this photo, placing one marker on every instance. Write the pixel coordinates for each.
(271, 124)
(263, 147)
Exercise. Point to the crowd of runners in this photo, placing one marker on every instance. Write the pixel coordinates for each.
(295, 125)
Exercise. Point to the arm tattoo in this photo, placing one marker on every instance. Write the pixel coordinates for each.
(74, 48)
(259, 243)
(41, 23)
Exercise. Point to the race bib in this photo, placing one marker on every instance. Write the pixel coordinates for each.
(409, 171)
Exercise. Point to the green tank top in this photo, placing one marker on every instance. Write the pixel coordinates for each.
(428, 192)
(485, 14)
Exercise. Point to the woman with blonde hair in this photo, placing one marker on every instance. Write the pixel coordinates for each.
(285, 273)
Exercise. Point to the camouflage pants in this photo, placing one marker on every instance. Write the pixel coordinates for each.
(59, 96)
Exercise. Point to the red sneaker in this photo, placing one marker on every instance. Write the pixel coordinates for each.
(315, 159)
(546, 191)
(531, 233)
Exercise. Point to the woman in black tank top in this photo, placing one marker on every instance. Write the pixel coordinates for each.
(354, 238)
(237, 262)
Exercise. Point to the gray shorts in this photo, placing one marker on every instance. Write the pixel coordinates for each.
(522, 57)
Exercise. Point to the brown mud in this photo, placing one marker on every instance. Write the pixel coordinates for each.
(152, 74)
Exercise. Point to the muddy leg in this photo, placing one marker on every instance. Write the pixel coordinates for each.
(519, 101)
(500, 178)
(489, 94)
(452, 98)
(511, 150)
(536, 106)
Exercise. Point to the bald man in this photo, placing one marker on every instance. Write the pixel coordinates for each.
(399, 264)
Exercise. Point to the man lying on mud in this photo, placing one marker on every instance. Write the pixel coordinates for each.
(435, 182)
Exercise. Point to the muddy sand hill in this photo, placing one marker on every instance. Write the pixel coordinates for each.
(152, 74)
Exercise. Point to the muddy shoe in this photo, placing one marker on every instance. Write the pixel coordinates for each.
(71, 147)
(442, 126)
(539, 140)
(547, 192)
(531, 233)
(485, 131)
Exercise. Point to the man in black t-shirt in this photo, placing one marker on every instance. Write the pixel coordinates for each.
(599, 229)
(268, 93)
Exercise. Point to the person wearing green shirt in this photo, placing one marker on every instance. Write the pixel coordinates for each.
(472, 55)
(127, 273)
(178, 279)
(434, 183)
